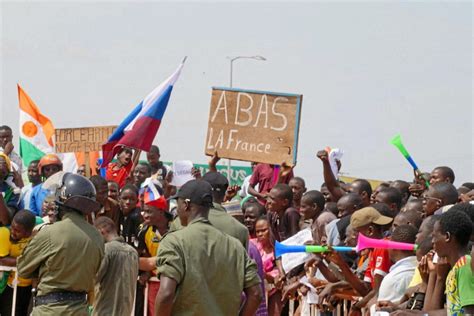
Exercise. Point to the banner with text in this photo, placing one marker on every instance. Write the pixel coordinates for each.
(254, 125)
(85, 139)
(237, 173)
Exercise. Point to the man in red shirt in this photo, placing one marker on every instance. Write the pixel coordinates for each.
(369, 222)
(267, 176)
(119, 171)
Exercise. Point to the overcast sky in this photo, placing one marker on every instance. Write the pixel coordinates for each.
(367, 70)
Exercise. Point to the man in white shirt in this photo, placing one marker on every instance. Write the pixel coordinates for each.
(6, 146)
(395, 283)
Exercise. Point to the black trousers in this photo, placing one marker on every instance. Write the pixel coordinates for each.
(23, 296)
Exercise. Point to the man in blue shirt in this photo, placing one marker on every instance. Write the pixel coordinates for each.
(48, 165)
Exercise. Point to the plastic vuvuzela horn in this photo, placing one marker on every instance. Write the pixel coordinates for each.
(364, 242)
(397, 142)
(281, 249)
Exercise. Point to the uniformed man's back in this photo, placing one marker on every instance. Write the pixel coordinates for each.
(212, 269)
(66, 255)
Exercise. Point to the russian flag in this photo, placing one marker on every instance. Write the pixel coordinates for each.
(152, 197)
(139, 128)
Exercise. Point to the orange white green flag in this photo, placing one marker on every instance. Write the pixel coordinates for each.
(36, 130)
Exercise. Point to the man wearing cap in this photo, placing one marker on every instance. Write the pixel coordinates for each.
(202, 270)
(218, 216)
(156, 219)
(48, 165)
(370, 223)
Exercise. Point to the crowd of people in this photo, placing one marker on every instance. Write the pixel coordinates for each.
(130, 242)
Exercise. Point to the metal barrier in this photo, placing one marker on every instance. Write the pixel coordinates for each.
(339, 310)
(15, 283)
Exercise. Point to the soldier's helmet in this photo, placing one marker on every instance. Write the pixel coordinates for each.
(73, 191)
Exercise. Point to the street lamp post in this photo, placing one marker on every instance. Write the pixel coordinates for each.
(232, 59)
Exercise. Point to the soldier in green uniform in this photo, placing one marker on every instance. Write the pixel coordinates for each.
(203, 271)
(218, 216)
(65, 256)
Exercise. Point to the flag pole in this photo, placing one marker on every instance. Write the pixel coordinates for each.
(136, 157)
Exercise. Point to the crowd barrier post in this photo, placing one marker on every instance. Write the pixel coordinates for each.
(145, 301)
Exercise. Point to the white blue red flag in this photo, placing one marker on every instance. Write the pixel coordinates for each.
(139, 128)
(151, 196)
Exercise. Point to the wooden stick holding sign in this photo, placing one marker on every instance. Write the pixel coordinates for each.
(83, 139)
(254, 125)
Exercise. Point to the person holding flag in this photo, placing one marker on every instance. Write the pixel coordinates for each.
(120, 170)
(139, 128)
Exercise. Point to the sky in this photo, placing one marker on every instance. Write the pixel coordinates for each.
(366, 70)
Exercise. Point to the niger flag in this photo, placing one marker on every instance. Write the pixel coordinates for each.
(36, 130)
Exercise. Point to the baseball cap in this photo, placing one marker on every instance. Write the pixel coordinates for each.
(368, 215)
(216, 179)
(198, 192)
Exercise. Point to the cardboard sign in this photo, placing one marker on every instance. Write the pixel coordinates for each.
(292, 260)
(254, 125)
(85, 139)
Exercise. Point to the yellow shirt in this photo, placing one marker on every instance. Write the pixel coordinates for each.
(416, 279)
(4, 241)
(16, 249)
(152, 241)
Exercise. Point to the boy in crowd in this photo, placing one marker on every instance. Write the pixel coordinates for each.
(252, 212)
(35, 179)
(451, 236)
(312, 208)
(283, 217)
(20, 234)
(119, 171)
(158, 169)
(141, 172)
(120, 261)
(113, 190)
(298, 187)
(130, 217)
(110, 207)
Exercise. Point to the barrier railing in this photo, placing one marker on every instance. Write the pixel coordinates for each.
(340, 309)
(15, 283)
